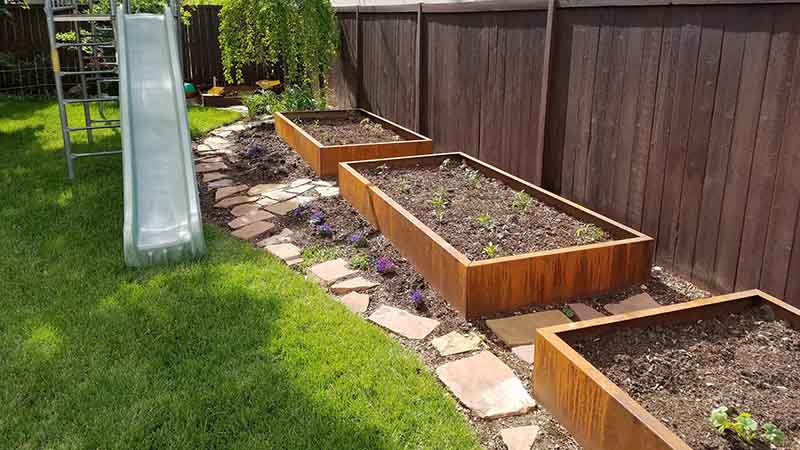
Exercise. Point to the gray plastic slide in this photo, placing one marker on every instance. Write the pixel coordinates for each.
(162, 207)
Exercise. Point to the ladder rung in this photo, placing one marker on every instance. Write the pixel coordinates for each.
(82, 155)
(86, 72)
(85, 44)
(99, 127)
(111, 121)
(107, 98)
(82, 18)
(102, 80)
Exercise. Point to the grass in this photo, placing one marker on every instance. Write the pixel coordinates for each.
(231, 352)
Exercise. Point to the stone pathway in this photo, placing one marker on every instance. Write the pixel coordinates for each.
(358, 303)
(519, 330)
(520, 438)
(635, 303)
(454, 343)
(403, 322)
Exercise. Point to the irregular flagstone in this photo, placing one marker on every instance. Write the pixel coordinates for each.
(300, 182)
(518, 330)
(217, 143)
(283, 208)
(357, 302)
(524, 352)
(213, 176)
(233, 201)
(403, 322)
(245, 209)
(253, 230)
(635, 303)
(285, 236)
(210, 167)
(266, 201)
(247, 219)
(323, 183)
(584, 312)
(302, 200)
(261, 189)
(486, 385)
(356, 284)
(203, 148)
(454, 343)
(216, 152)
(223, 133)
(220, 183)
(228, 191)
(331, 271)
(210, 159)
(520, 438)
(285, 252)
(280, 195)
(328, 191)
(300, 189)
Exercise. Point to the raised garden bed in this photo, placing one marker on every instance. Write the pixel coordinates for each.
(475, 286)
(231, 96)
(326, 138)
(643, 379)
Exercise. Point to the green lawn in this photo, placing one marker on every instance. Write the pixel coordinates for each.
(232, 352)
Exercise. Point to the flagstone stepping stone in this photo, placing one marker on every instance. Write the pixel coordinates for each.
(210, 159)
(280, 195)
(328, 191)
(220, 183)
(266, 201)
(454, 343)
(213, 176)
(486, 385)
(217, 143)
(524, 352)
(228, 191)
(323, 183)
(520, 438)
(261, 189)
(357, 302)
(221, 132)
(245, 209)
(286, 252)
(332, 271)
(247, 219)
(285, 236)
(203, 148)
(303, 200)
(635, 303)
(233, 127)
(253, 230)
(210, 167)
(403, 322)
(301, 189)
(300, 182)
(584, 312)
(518, 330)
(233, 201)
(283, 208)
(356, 284)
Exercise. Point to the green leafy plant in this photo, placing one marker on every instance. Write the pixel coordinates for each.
(490, 250)
(300, 36)
(590, 233)
(486, 222)
(521, 200)
(745, 427)
(439, 202)
(568, 312)
(361, 262)
(293, 98)
(316, 254)
(473, 176)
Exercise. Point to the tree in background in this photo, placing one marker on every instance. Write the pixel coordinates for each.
(299, 35)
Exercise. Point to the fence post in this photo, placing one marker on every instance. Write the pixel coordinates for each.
(543, 98)
(359, 73)
(418, 80)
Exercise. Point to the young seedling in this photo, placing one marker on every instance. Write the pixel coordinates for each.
(590, 233)
(439, 202)
(521, 200)
(490, 250)
(473, 176)
(361, 262)
(568, 312)
(486, 222)
(745, 427)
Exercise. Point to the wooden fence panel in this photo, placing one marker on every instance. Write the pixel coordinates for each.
(343, 75)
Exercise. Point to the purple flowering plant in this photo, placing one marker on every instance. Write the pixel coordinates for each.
(384, 265)
(358, 239)
(325, 230)
(416, 297)
(317, 217)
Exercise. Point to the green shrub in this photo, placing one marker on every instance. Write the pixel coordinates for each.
(294, 98)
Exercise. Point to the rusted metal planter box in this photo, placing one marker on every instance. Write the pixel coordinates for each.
(476, 288)
(324, 159)
(598, 413)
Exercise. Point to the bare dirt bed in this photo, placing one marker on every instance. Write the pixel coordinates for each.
(748, 362)
(472, 212)
(396, 288)
(357, 129)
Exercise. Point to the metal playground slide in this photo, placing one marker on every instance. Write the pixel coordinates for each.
(162, 207)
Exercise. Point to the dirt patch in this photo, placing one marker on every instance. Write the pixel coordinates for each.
(679, 373)
(356, 129)
(481, 216)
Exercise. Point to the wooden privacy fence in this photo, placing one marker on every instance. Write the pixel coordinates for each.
(679, 118)
(24, 35)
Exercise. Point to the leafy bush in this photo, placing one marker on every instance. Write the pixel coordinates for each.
(294, 98)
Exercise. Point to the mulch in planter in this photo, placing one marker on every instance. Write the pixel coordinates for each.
(479, 211)
(357, 129)
(748, 362)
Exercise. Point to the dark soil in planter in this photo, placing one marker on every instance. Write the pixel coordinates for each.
(748, 362)
(396, 288)
(357, 129)
(480, 210)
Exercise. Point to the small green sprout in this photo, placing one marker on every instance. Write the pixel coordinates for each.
(472, 176)
(439, 203)
(521, 200)
(361, 262)
(745, 427)
(590, 233)
(568, 312)
(490, 250)
(486, 222)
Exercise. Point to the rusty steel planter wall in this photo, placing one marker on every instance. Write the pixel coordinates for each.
(324, 159)
(600, 415)
(476, 288)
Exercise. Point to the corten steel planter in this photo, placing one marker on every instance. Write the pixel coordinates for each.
(598, 413)
(324, 159)
(477, 288)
